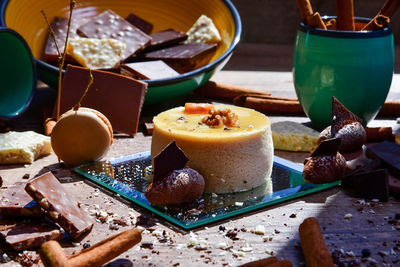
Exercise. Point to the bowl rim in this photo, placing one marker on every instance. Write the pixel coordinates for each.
(34, 73)
(166, 81)
(345, 34)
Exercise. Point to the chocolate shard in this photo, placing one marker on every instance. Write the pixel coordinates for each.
(14, 201)
(169, 159)
(140, 23)
(60, 26)
(388, 152)
(110, 25)
(371, 184)
(341, 116)
(182, 58)
(28, 234)
(118, 97)
(327, 147)
(59, 205)
(165, 38)
(148, 70)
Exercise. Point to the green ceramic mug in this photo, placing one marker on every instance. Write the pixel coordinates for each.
(17, 74)
(355, 67)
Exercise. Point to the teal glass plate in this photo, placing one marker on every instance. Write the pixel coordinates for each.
(126, 176)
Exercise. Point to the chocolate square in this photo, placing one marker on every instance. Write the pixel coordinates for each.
(110, 25)
(28, 234)
(14, 201)
(140, 23)
(118, 97)
(183, 58)
(388, 152)
(59, 205)
(148, 70)
(165, 38)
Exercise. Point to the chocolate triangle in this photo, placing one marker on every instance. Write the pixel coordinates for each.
(341, 116)
(327, 147)
(169, 159)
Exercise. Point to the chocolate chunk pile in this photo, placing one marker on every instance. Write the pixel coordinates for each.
(31, 213)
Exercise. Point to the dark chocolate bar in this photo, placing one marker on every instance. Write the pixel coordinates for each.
(148, 70)
(60, 26)
(394, 185)
(28, 234)
(14, 201)
(165, 38)
(59, 205)
(371, 184)
(118, 97)
(183, 58)
(388, 152)
(140, 23)
(110, 25)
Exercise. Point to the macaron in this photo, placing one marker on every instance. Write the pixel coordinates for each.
(81, 136)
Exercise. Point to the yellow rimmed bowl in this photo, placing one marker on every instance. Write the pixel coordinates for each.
(24, 16)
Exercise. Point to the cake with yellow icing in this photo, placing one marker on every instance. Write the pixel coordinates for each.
(231, 158)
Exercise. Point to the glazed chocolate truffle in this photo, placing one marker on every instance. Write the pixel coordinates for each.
(179, 186)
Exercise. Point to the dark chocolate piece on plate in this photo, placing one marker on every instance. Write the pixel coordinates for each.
(169, 159)
(327, 147)
(148, 70)
(28, 234)
(59, 205)
(341, 116)
(183, 58)
(59, 26)
(110, 25)
(140, 23)
(388, 152)
(165, 38)
(371, 184)
(14, 201)
(118, 97)
(394, 185)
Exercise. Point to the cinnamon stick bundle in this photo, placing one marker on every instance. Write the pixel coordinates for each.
(308, 16)
(345, 15)
(312, 242)
(378, 22)
(388, 9)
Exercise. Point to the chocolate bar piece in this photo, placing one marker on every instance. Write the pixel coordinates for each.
(61, 208)
(110, 25)
(140, 23)
(394, 185)
(118, 97)
(169, 159)
(327, 147)
(14, 201)
(388, 152)
(165, 38)
(148, 70)
(60, 26)
(183, 58)
(28, 234)
(372, 184)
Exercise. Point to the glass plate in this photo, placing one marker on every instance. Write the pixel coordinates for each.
(126, 176)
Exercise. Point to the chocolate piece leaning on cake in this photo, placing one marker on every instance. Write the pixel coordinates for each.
(173, 184)
(326, 164)
(346, 126)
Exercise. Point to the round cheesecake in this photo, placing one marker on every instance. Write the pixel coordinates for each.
(231, 159)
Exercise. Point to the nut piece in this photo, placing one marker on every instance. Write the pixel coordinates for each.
(219, 118)
(325, 169)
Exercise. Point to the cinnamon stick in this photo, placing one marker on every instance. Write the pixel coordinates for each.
(225, 91)
(390, 108)
(268, 262)
(308, 16)
(378, 22)
(378, 134)
(388, 9)
(331, 24)
(315, 251)
(274, 105)
(345, 15)
(107, 249)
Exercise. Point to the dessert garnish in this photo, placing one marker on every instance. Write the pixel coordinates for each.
(326, 163)
(346, 126)
(198, 108)
(174, 184)
(219, 118)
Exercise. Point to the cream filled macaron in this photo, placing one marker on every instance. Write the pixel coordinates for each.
(81, 136)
